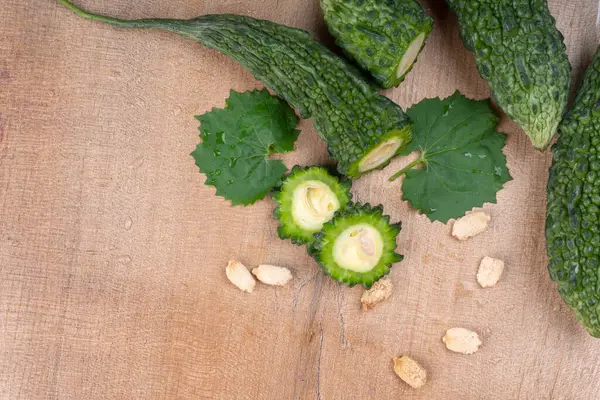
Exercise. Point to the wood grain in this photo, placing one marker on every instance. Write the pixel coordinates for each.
(112, 251)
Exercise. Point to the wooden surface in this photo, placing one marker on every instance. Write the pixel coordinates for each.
(112, 251)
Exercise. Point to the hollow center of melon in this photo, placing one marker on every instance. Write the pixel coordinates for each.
(380, 154)
(358, 248)
(314, 204)
(411, 54)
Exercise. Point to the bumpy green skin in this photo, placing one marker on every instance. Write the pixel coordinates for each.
(288, 228)
(376, 33)
(322, 248)
(573, 208)
(347, 111)
(521, 54)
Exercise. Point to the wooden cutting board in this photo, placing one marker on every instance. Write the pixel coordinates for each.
(112, 251)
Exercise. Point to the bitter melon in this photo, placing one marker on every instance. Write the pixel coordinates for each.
(521, 54)
(307, 199)
(573, 207)
(384, 37)
(357, 245)
(363, 130)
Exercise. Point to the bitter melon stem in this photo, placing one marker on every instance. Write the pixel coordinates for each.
(95, 17)
(171, 25)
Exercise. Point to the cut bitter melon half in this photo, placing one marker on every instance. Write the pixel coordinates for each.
(357, 246)
(384, 37)
(347, 111)
(308, 198)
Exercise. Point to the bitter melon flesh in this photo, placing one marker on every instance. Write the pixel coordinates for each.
(357, 246)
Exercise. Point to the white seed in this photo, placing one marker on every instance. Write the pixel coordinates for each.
(272, 274)
(470, 225)
(410, 371)
(317, 202)
(239, 275)
(366, 243)
(381, 290)
(461, 340)
(489, 272)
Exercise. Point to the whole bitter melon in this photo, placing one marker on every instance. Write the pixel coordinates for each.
(573, 208)
(357, 246)
(363, 130)
(308, 198)
(383, 36)
(521, 54)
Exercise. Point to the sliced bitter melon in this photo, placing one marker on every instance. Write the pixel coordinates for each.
(357, 245)
(308, 198)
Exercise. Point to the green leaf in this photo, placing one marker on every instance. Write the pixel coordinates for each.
(237, 142)
(461, 161)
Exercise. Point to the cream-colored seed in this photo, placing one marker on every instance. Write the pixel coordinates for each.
(239, 275)
(272, 274)
(381, 290)
(366, 243)
(317, 202)
(461, 340)
(470, 225)
(489, 271)
(410, 371)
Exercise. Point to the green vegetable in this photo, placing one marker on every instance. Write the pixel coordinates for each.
(521, 54)
(573, 208)
(363, 130)
(237, 142)
(357, 245)
(308, 198)
(461, 157)
(383, 36)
